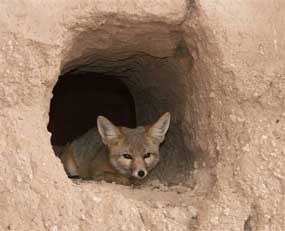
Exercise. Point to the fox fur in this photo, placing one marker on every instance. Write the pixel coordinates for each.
(115, 154)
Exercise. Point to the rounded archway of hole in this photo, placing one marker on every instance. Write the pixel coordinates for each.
(155, 84)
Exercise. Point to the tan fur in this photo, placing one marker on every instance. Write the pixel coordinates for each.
(115, 154)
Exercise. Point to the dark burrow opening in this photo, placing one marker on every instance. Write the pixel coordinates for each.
(131, 90)
(79, 98)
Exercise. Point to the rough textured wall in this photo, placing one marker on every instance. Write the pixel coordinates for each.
(233, 113)
(241, 46)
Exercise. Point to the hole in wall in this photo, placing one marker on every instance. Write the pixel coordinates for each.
(131, 90)
(156, 75)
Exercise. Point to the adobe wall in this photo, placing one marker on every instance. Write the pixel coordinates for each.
(227, 57)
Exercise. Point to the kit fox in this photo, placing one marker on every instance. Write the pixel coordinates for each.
(115, 154)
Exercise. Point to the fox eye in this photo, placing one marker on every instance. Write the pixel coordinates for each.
(127, 156)
(147, 155)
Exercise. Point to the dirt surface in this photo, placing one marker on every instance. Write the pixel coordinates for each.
(218, 66)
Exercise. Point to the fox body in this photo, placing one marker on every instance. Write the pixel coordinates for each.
(115, 154)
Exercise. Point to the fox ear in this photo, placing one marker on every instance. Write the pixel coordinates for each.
(160, 127)
(107, 130)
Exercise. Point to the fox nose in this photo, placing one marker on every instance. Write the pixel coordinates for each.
(141, 173)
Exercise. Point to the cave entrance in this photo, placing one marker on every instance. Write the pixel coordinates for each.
(131, 89)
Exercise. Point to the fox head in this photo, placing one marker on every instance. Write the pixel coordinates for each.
(133, 152)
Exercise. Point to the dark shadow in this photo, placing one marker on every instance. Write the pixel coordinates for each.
(79, 98)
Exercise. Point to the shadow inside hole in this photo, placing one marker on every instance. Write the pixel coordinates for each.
(78, 99)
